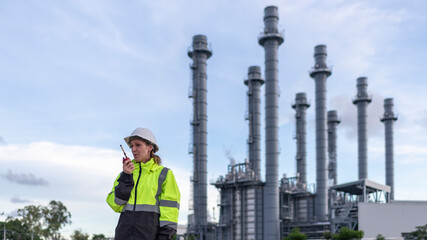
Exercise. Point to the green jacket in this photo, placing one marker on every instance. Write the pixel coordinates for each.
(148, 202)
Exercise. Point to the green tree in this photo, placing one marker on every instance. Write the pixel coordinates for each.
(327, 235)
(32, 216)
(296, 235)
(346, 233)
(45, 221)
(191, 237)
(98, 237)
(380, 237)
(79, 235)
(55, 217)
(420, 233)
(17, 229)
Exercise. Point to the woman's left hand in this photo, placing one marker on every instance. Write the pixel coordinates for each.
(128, 166)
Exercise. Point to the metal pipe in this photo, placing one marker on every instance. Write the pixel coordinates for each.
(388, 119)
(320, 72)
(362, 100)
(199, 54)
(301, 106)
(254, 83)
(270, 39)
(333, 122)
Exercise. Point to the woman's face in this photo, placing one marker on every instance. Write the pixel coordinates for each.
(140, 150)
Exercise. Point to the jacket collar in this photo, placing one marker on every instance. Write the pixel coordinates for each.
(149, 166)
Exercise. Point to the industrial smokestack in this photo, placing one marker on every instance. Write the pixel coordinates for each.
(320, 72)
(362, 100)
(388, 120)
(270, 40)
(333, 122)
(301, 106)
(254, 83)
(199, 53)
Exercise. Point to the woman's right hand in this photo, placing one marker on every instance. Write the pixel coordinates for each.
(128, 166)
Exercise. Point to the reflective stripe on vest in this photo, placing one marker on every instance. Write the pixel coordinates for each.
(169, 203)
(162, 178)
(119, 201)
(141, 208)
(169, 224)
(147, 207)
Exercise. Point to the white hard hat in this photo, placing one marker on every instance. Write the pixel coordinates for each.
(146, 135)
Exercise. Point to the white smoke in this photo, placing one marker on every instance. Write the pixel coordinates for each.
(347, 112)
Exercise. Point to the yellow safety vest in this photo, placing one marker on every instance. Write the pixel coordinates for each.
(153, 193)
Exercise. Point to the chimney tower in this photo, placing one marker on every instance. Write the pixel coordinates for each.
(362, 100)
(320, 72)
(301, 106)
(254, 83)
(270, 40)
(333, 122)
(388, 119)
(199, 54)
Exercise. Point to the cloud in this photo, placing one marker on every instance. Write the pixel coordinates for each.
(410, 154)
(13, 213)
(100, 29)
(83, 158)
(25, 179)
(17, 199)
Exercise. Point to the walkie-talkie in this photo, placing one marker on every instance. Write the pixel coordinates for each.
(126, 157)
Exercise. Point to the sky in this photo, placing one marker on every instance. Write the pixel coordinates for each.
(76, 77)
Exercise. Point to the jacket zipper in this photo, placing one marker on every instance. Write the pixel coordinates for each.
(134, 204)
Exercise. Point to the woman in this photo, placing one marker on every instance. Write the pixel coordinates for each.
(145, 193)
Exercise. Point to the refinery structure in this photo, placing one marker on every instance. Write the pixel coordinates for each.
(266, 207)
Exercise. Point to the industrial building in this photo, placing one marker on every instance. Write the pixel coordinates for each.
(253, 208)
